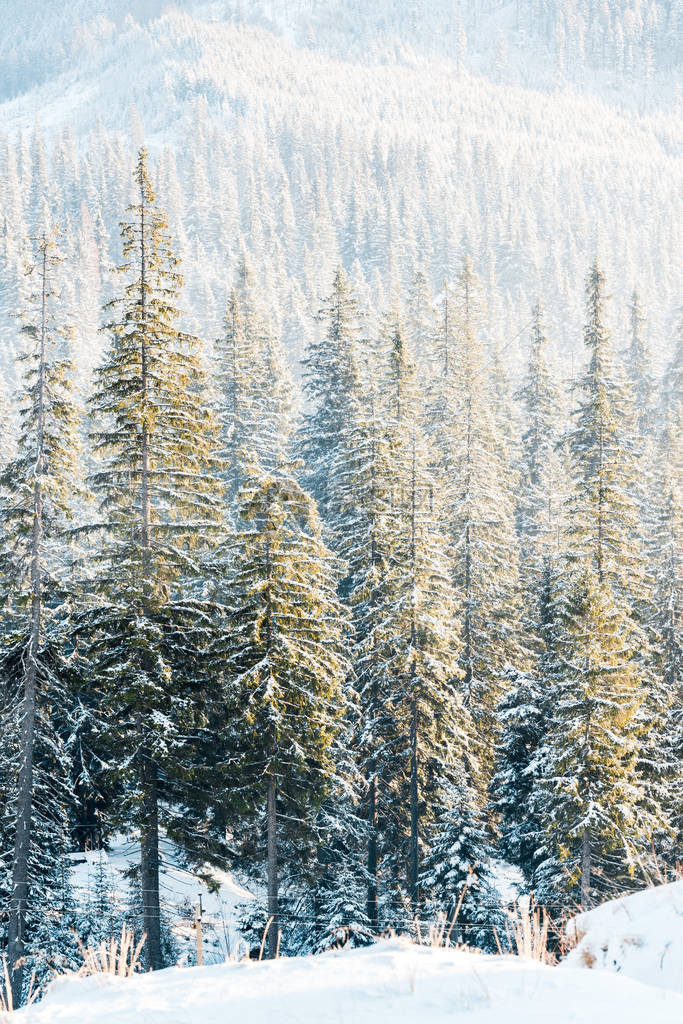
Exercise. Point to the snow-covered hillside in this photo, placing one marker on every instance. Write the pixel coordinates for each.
(630, 51)
(313, 154)
(391, 983)
(640, 936)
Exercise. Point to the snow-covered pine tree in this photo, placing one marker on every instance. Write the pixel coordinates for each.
(648, 483)
(541, 483)
(331, 373)
(285, 664)
(36, 504)
(433, 741)
(458, 858)
(587, 797)
(640, 415)
(158, 498)
(664, 556)
(525, 712)
(479, 509)
(639, 373)
(420, 324)
(254, 389)
(524, 708)
(363, 534)
(333, 897)
(602, 526)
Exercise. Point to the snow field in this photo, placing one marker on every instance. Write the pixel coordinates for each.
(390, 983)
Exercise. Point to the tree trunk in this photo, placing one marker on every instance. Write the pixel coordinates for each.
(149, 863)
(22, 839)
(149, 832)
(271, 813)
(24, 813)
(586, 870)
(372, 906)
(372, 909)
(414, 810)
(414, 794)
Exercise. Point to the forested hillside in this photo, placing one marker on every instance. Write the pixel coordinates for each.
(340, 462)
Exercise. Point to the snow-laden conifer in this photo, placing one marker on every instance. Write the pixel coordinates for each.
(331, 371)
(284, 663)
(588, 794)
(157, 495)
(36, 504)
(479, 511)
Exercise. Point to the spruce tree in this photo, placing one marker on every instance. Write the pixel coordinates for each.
(479, 510)
(433, 745)
(331, 374)
(254, 403)
(588, 792)
(158, 503)
(539, 508)
(524, 707)
(36, 505)
(602, 517)
(664, 551)
(285, 666)
(364, 535)
(455, 876)
(590, 799)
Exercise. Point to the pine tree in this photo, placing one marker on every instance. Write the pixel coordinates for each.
(479, 509)
(254, 389)
(420, 318)
(602, 516)
(432, 741)
(284, 663)
(641, 415)
(664, 550)
(158, 502)
(524, 708)
(538, 513)
(331, 375)
(588, 793)
(36, 506)
(455, 876)
(363, 533)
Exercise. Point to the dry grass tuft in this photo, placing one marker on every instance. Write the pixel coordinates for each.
(120, 957)
(528, 932)
(439, 932)
(6, 997)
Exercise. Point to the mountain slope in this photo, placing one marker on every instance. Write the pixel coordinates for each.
(383, 163)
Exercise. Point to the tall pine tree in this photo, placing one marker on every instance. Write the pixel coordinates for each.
(285, 666)
(36, 505)
(158, 499)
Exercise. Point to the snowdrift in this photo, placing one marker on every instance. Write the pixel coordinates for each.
(391, 983)
(640, 936)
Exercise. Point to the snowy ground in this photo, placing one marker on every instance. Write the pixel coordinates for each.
(640, 936)
(626, 969)
(390, 983)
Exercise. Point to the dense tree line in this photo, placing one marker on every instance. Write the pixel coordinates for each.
(356, 649)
